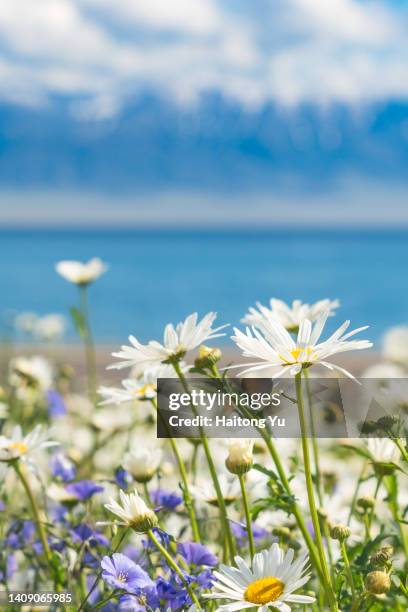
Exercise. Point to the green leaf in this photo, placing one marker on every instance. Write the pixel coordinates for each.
(79, 321)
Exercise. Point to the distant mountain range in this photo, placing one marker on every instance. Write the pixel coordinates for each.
(217, 145)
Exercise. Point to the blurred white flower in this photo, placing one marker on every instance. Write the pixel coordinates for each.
(133, 512)
(272, 581)
(18, 446)
(289, 316)
(3, 410)
(204, 490)
(31, 371)
(50, 327)
(395, 344)
(384, 370)
(382, 450)
(81, 273)
(25, 322)
(276, 347)
(142, 463)
(177, 341)
(142, 387)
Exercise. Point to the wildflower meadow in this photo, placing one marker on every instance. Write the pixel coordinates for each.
(97, 513)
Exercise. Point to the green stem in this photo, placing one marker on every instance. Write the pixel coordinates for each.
(393, 494)
(285, 482)
(247, 516)
(347, 568)
(98, 577)
(188, 501)
(402, 450)
(355, 494)
(88, 344)
(371, 515)
(312, 504)
(174, 566)
(221, 502)
(315, 447)
(36, 514)
(356, 605)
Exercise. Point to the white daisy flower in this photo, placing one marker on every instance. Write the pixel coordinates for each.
(50, 327)
(142, 463)
(289, 316)
(19, 446)
(31, 371)
(204, 490)
(177, 341)
(133, 512)
(81, 273)
(382, 450)
(271, 582)
(395, 345)
(276, 347)
(142, 387)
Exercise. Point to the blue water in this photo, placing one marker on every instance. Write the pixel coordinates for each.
(161, 276)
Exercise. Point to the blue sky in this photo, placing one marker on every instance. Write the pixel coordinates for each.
(185, 110)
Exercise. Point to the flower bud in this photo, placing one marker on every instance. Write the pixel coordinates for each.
(281, 532)
(366, 503)
(384, 469)
(340, 532)
(240, 458)
(382, 556)
(377, 582)
(207, 357)
(387, 422)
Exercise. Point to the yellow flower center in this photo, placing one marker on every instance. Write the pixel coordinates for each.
(145, 389)
(264, 590)
(21, 447)
(306, 353)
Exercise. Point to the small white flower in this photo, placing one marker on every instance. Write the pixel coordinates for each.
(289, 316)
(34, 370)
(50, 327)
(142, 463)
(81, 273)
(19, 446)
(276, 347)
(142, 387)
(177, 341)
(25, 322)
(395, 344)
(133, 512)
(271, 582)
(382, 450)
(205, 491)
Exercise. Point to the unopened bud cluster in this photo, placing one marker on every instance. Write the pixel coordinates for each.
(207, 357)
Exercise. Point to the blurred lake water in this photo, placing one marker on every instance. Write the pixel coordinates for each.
(158, 276)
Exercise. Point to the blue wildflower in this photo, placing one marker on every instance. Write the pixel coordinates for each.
(62, 467)
(120, 572)
(197, 554)
(84, 533)
(56, 404)
(83, 489)
(123, 478)
(165, 499)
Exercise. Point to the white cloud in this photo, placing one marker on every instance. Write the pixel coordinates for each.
(106, 51)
